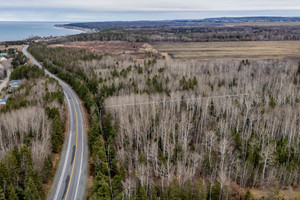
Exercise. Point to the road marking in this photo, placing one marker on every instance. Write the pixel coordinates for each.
(67, 155)
(75, 149)
(82, 135)
(81, 159)
(71, 93)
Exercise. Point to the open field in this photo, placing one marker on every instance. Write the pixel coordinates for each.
(134, 49)
(232, 50)
(286, 193)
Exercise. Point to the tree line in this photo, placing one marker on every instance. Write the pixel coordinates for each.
(31, 129)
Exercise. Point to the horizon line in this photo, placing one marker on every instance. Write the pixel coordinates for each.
(160, 20)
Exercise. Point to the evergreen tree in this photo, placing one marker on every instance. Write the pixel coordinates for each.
(101, 189)
(216, 191)
(99, 156)
(141, 195)
(57, 136)
(272, 102)
(12, 193)
(47, 169)
(94, 132)
(26, 161)
(12, 166)
(35, 176)
(2, 195)
(4, 176)
(16, 152)
(248, 195)
(175, 191)
(201, 190)
(31, 191)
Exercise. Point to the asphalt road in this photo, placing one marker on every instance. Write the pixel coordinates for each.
(5, 81)
(71, 175)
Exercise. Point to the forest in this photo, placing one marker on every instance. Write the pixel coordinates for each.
(207, 30)
(168, 24)
(31, 132)
(171, 129)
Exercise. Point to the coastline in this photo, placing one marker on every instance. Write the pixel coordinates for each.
(22, 32)
(85, 30)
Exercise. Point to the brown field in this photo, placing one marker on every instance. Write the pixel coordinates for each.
(136, 50)
(231, 50)
(287, 193)
(19, 47)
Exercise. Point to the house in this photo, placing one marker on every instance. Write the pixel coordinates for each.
(14, 84)
(3, 54)
(4, 100)
(3, 59)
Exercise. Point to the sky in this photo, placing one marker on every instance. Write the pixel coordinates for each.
(112, 10)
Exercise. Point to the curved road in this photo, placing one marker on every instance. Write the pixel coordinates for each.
(5, 81)
(71, 175)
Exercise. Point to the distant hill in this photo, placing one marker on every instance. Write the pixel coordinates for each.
(251, 19)
(138, 25)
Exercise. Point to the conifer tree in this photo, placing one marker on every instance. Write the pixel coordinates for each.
(57, 136)
(47, 169)
(26, 161)
(141, 195)
(2, 195)
(12, 193)
(12, 166)
(4, 176)
(31, 191)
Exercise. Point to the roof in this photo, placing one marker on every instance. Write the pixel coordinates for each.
(15, 82)
(3, 54)
(3, 101)
(3, 59)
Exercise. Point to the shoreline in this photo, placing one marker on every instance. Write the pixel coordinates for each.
(36, 36)
(85, 30)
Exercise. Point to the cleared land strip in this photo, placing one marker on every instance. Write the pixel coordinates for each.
(231, 50)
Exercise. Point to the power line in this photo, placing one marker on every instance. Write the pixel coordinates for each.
(176, 100)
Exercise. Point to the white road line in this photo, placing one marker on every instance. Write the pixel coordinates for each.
(68, 151)
(81, 160)
(72, 95)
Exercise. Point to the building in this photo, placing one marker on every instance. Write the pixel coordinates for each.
(3, 54)
(4, 100)
(14, 84)
(3, 59)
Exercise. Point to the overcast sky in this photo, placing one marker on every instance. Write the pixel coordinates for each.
(109, 10)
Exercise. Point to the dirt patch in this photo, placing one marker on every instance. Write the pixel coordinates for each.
(134, 49)
(285, 193)
(18, 47)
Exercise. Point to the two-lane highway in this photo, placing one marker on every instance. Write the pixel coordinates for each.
(71, 174)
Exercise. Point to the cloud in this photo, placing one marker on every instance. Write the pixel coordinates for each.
(156, 5)
(87, 10)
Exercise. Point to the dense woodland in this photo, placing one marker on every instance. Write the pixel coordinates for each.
(31, 129)
(168, 24)
(185, 129)
(204, 30)
(211, 33)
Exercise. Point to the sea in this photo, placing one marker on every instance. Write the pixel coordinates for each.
(12, 31)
